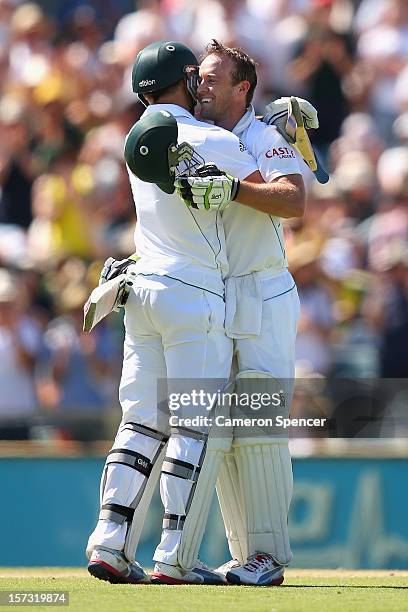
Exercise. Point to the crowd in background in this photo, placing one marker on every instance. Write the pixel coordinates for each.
(65, 205)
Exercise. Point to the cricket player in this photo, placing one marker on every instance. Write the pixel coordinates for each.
(174, 323)
(255, 481)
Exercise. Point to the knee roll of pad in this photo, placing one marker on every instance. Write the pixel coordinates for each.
(261, 398)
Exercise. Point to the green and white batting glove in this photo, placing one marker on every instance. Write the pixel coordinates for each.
(113, 267)
(276, 113)
(207, 192)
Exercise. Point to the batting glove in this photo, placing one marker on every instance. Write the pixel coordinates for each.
(276, 113)
(207, 193)
(113, 267)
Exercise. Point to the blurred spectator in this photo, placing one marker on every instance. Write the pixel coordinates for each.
(323, 61)
(17, 169)
(390, 224)
(20, 341)
(356, 181)
(387, 310)
(138, 29)
(61, 226)
(76, 371)
(384, 48)
(313, 353)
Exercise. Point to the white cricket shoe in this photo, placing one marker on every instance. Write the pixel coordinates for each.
(172, 574)
(226, 567)
(112, 566)
(259, 570)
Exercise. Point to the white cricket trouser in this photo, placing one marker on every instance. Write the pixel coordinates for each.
(173, 331)
(255, 508)
(273, 350)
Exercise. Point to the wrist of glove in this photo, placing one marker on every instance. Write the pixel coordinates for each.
(209, 191)
(276, 113)
(123, 294)
(113, 267)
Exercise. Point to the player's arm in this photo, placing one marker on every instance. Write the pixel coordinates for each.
(252, 182)
(284, 197)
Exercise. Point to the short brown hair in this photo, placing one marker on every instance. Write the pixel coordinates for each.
(245, 67)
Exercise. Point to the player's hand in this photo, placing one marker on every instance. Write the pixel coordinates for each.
(209, 170)
(207, 193)
(113, 267)
(276, 113)
(123, 293)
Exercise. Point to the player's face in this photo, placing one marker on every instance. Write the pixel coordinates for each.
(216, 93)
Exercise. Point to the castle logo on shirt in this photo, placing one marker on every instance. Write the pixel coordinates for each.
(281, 152)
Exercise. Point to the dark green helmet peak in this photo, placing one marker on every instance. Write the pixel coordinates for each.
(152, 152)
(162, 64)
(147, 149)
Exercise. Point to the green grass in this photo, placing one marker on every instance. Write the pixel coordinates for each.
(303, 590)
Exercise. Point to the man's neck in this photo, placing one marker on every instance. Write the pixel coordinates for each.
(230, 120)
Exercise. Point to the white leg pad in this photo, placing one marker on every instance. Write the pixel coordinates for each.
(265, 476)
(187, 486)
(200, 502)
(231, 505)
(265, 472)
(136, 527)
(130, 475)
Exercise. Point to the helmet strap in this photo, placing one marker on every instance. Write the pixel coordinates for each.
(192, 78)
(143, 100)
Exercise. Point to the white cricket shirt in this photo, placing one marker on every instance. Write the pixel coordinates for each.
(170, 236)
(254, 239)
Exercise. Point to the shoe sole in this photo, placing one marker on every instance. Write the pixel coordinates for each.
(232, 579)
(163, 579)
(104, 571)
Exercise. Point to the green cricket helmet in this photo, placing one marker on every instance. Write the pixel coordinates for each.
(152, 152)
(162, 64)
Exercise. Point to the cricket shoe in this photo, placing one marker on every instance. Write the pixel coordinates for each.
(172, 574)
(226, 567)
(112, 566)
(259, 570)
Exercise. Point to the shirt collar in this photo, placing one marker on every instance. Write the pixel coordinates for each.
(174, 109)
(245, 121)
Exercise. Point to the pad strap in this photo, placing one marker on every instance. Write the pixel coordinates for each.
(180, 469)
(146, 431)
(173, 522)
(189, 433)
(116, 513)
(132, 459)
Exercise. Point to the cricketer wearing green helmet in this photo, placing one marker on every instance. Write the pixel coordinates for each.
(162, 64)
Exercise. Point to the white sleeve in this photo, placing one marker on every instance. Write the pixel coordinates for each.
(275, 156)
(229, 153)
